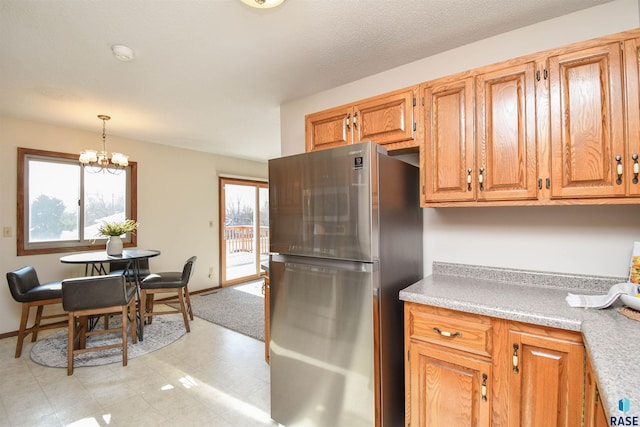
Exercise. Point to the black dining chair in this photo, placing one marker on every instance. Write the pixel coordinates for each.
(94, 296)
(26, 289)
(167, 282)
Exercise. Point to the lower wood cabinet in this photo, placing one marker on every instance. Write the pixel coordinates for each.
(594, 415)
(448, 388)
(546, 377)
(471, 370)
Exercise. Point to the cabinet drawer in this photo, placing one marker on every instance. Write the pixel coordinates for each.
(448, 328)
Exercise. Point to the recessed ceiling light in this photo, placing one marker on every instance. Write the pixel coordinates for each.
(122, 53)
(262, 4)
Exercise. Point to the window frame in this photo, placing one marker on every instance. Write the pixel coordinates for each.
(68, 246)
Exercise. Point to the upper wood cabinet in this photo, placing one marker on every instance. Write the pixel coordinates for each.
(506, 133)
(632, 69)
(480, 136)
(587, 126)
(556, 127)
(388, 119)
(447, 158)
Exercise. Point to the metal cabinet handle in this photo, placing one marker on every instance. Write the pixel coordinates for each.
(619, 170)
(515, 358)
(469, 179)
(347, 121)
(355, 120)
(484, 387)
(448, 334)
(481, 178)
(636, 168)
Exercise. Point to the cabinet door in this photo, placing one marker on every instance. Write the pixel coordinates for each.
(447, 158)
(329, 128)
(546, 381)
(594, 415)
(587, 134)
(506, 133)
(386, 119)
(448, 388)
(632, 64)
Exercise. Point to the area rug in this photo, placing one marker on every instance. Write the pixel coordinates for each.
(52, 350)
(233, 308)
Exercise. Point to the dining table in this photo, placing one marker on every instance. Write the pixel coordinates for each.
(95, 261)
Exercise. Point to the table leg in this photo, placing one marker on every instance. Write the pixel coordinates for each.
(135, 267)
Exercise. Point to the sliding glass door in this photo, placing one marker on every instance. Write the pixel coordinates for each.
(244, 229)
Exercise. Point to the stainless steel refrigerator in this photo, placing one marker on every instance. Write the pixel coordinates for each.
(345, 237)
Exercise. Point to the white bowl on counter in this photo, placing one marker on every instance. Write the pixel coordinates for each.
(631, 301)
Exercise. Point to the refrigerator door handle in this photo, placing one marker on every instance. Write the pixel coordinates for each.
(365, 267)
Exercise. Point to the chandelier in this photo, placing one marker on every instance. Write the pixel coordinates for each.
(97, 161)
(262, 4)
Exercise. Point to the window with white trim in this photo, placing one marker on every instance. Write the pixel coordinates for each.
(61, 204)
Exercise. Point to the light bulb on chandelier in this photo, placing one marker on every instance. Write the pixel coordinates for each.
(99, 161)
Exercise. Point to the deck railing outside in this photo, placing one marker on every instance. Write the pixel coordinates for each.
(240, 238)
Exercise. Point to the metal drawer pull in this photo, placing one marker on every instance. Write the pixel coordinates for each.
(448, 334)
(347, 121)
(484, 387)
(515, 358)
(481, 178)
(619, 170)
(636, 168)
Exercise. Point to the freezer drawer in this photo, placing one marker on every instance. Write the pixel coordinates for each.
(322, 343)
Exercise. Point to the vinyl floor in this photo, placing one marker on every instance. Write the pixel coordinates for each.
(209, 377)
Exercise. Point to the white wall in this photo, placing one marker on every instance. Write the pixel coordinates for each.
(177, 197)
(572, 239)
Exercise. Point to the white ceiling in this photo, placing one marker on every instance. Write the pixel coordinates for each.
(210, 75)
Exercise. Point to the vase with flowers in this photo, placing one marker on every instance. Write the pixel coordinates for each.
(113, 231)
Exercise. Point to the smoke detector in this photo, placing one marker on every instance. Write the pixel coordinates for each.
(122, 53)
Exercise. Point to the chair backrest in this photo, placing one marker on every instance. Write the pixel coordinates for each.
(22, 281)
(85, 293)
(188, 270)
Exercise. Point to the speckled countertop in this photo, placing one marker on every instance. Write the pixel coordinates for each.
(611, 339)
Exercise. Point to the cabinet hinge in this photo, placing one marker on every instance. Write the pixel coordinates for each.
(414, 102)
